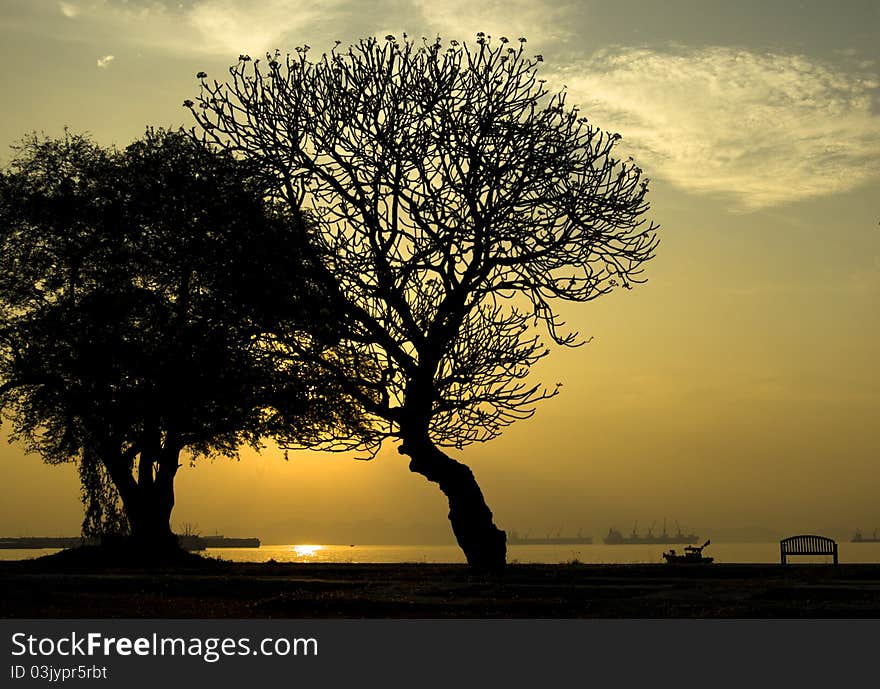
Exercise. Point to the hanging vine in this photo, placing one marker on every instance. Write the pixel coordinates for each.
(103, 511)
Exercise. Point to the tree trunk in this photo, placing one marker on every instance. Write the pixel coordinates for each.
(150, 518)
(148, 503)
(483, 543)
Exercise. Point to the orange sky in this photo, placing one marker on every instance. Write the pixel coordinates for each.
(738, 387)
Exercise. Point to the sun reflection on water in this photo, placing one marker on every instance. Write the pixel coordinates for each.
(306, 551)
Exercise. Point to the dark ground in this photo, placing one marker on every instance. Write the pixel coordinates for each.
(59, 587)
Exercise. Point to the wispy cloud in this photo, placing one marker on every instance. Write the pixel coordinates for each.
(762, 129)
(202, 27)
(231, 26)
(227, 28)
(105, 61)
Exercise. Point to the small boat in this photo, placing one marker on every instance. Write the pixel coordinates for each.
(693, 554)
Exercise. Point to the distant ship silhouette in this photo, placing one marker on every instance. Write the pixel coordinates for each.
(516, 539)
(188, 541)
(858, 538)
(196, 542)
(614, 537)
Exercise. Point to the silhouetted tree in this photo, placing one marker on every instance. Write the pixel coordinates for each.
(140, 295)
(454, 198)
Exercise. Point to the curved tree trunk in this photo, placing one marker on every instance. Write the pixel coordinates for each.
(483, 543)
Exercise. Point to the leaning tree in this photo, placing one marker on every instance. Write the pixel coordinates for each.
(140, 293)
(453, 199)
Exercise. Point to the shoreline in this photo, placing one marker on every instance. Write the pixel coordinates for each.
(207, 588)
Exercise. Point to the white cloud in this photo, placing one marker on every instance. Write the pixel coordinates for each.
(231, 26)
(763, 129)
(105, 61)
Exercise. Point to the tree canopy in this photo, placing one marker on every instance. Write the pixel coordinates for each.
(454, 199)
(140, 293)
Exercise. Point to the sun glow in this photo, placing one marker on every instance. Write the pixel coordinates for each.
(306, 550)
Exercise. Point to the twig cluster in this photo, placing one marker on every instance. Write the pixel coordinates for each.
(452, 200)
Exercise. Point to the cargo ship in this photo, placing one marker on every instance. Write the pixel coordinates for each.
(614, 537)
(33, 542)
(514, 538)
(195, 542)
(188, 541)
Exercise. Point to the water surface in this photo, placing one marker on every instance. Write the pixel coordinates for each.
(551, 554)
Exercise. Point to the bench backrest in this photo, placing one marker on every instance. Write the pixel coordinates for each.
(807, 544)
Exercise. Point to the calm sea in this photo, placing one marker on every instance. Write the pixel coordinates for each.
(588, 554)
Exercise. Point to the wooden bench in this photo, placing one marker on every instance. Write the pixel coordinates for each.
(807, 544)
